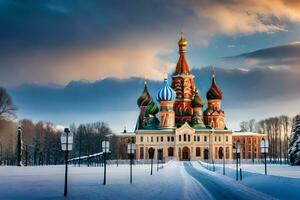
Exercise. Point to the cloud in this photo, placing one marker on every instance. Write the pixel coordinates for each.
(234, 17)
(284, 56)
(59, 41)
(247, 93)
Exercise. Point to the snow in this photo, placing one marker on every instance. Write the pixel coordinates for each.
(279, 184)
(171, 182)
(176, 180)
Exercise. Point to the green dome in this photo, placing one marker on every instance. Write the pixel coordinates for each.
(151, 109)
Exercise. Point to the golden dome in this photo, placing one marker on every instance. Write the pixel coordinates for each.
(182, 41)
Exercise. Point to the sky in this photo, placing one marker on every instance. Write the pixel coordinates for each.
(56, 45)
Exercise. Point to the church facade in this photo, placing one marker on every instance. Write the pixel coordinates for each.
(179, 128)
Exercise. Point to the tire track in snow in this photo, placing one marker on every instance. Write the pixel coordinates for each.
(193, 189)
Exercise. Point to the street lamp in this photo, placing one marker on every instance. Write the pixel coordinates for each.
(19, 147)
(66, 140)
(151, 155)
(130, 150)
(237, 150)
(264, 146)
(105, 150)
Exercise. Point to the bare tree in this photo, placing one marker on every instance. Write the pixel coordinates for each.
(7, 107)
(244, 126)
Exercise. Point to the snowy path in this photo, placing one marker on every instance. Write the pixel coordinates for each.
(277, 186)
(221, 187)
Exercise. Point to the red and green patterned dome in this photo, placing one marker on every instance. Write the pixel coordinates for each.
(214, 92)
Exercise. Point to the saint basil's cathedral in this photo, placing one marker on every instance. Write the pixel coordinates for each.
(179, 128)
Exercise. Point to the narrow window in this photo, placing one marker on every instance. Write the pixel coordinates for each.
(142, 139)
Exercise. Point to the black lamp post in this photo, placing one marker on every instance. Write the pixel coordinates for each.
(151, 155)
(105, 150)
(264, 146)
(19, 146)
(237, 150)
(130, 150)
(66, 145)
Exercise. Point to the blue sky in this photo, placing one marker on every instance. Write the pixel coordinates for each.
(52, 43)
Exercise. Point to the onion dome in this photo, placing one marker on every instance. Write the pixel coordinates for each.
(166, 93)
(197, 101)
(182, 43)
(145, 99)
(151, 109)
(214, 92)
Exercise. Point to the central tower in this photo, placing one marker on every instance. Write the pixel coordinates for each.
(184, 86)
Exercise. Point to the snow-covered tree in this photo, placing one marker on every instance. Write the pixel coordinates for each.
(294, 146)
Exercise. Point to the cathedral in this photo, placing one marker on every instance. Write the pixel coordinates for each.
(179, 128)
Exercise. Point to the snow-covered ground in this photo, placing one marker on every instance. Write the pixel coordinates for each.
(282, 182)
(177, 180)
(275, 170)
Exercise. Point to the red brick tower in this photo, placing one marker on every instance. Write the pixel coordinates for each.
(184, 86)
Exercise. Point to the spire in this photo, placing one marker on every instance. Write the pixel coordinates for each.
(182, 65)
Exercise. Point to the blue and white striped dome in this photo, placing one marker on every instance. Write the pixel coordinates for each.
(166, 93)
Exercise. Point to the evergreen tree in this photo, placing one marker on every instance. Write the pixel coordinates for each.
(294, 146)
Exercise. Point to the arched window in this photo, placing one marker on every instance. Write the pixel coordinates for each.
(184, 137)
(172, 138)
(179, 138)
(170, 151)
(198, 138)
(198, 151)
(189, 138)
(205, 138)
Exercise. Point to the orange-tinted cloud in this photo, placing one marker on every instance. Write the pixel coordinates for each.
(247, 17)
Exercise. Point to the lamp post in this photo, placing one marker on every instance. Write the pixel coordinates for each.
(105, 150)
(237, 150)
(130, 149)
(66, 145)
(19, 146)
(264, 146)
(151, 155)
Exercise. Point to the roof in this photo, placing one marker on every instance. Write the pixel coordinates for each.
(247, 133)
(127, 134)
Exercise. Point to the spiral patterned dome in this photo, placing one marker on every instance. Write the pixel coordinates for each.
(145, 99)
(214, 92)
(166, 93)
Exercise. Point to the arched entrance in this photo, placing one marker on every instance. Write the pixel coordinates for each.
(206, 154)
(160, 154)
(185, 154)
(221, 153)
